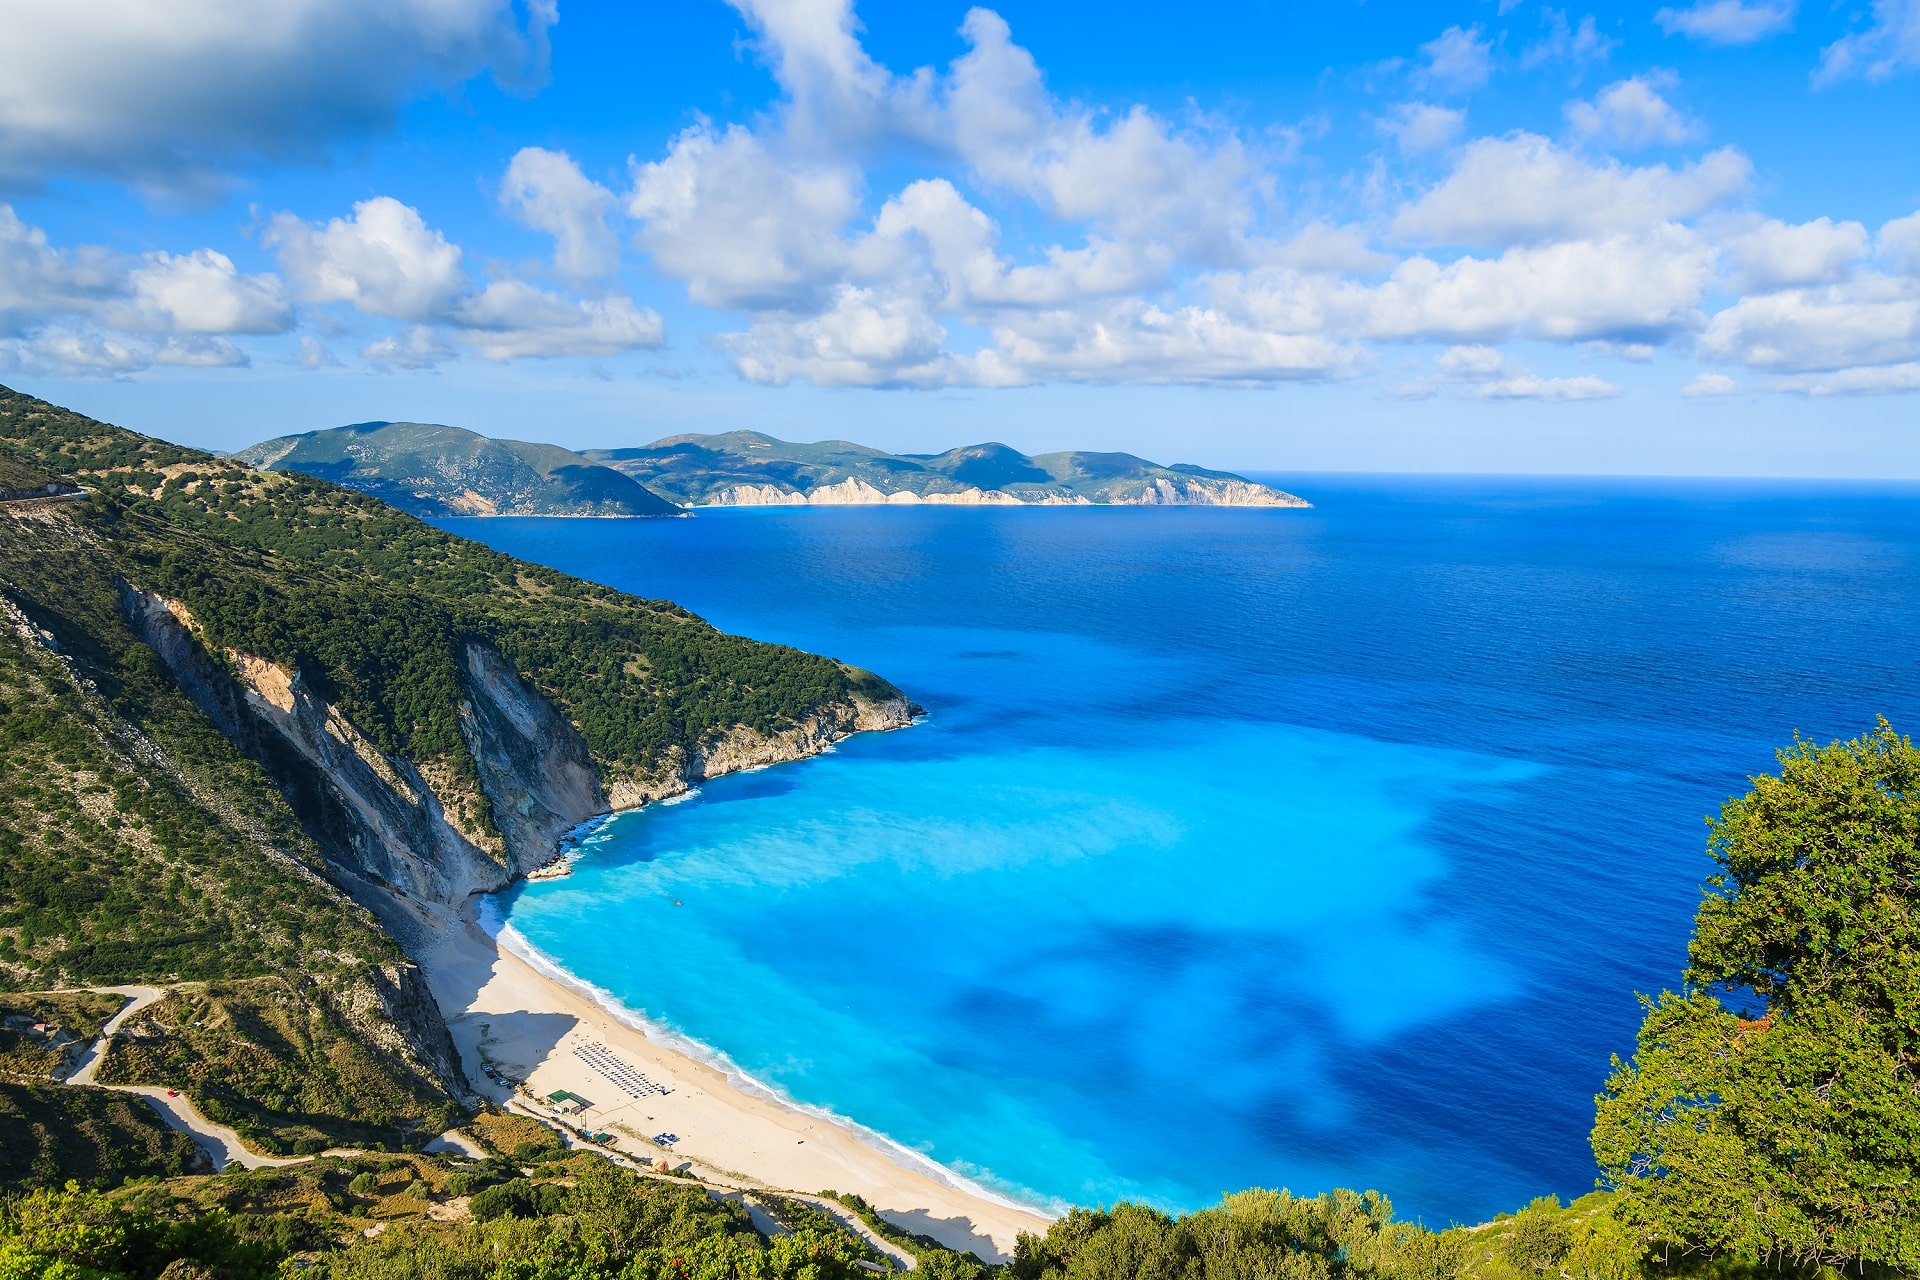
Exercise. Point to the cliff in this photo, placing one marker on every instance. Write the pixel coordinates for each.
(259, 734)
(433, 470)
(746, 468)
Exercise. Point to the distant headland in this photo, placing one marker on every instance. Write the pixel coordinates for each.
(433, 470)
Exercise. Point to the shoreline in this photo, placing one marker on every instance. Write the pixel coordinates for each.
(540, 1025)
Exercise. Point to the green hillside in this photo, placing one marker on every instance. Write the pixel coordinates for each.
(432, 470)
(151, 831)
(698, 469)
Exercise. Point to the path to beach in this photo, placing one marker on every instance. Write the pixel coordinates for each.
(534, 1028)
(221, 1143)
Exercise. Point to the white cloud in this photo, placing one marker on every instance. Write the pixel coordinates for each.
(545, 190)
(1422, 126)
(511, 319)
(1471, 362)
(1485, 373)
(1630, 114)
(1580, 45)
(202, 292)
(1899, 244)
(1869, 320)
(385, 260)
(865, 338)
(1522, 188)
(172, 95)
(1131, 340)
(1711, 384)
(1873, 381)
(417, 347)
(1885, 49)
(1458, 60)
(738, 226)
(1728, 21)
(1771, 254)
(201, 353)
(75, 353)
(1531, 386)
(314, 354)
(38, 281)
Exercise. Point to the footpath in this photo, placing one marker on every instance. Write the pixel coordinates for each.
(224, 1147)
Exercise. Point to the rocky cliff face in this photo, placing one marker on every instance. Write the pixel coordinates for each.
(1160, 492)
(413, 841)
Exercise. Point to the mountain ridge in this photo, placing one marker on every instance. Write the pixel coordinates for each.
(432, 470)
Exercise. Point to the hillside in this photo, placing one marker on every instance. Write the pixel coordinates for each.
(431, 470)
(746, 468)
(260, 733)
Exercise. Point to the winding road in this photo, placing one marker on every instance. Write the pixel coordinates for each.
(222, 1144)
(224, 1147)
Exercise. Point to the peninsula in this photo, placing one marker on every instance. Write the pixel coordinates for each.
(431, 470)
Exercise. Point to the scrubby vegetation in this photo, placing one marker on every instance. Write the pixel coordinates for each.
(137, 843)
(52, 1134)
(352, 1220)
(374, 607)
(280, 1062)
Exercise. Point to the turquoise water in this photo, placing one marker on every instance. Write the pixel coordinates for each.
(1238, 847)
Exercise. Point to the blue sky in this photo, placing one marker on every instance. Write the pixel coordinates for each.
(1499, 236)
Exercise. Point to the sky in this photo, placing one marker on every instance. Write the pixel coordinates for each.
(1495, 236)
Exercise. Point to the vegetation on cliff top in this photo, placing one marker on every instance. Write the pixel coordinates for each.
(138, 844)
(693, 468)
(432, 470)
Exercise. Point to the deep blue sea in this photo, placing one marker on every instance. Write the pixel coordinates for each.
(1238, 847)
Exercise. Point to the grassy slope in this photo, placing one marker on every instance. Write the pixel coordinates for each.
(432, 470)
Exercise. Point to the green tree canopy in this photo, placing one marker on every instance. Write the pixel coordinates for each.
(1792, 1136)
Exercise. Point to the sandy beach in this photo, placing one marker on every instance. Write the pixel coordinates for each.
(556, 1037)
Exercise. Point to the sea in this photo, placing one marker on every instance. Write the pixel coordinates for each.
(1245, 847)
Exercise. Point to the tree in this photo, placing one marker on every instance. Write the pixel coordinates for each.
(1791, 1136)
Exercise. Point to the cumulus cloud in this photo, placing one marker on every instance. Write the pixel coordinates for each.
(1888, 47)
(1458, 60)
(1711, 384)
(1485, 373)
(88, 310)
(547, 191)
(384, 260)
(1728, 21)
(202, 292)
(1899, 244)
(738, 225)
(416, 347)
(1168, 253)
(1870, 320)
(1581, 45)
(1630, 114)
(171, 96)
(1874, 381)
(1770, 254)
(511, 319)
(1422, 126)
(1523, 188)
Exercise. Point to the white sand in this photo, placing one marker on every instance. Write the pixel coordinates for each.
(503, 1010)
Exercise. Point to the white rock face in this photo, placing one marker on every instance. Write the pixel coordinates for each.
(855, 492)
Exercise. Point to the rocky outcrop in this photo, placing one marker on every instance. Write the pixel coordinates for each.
(1160, 492)
(413, 840)
(1212, 493)
(375, 815)
(855, 492)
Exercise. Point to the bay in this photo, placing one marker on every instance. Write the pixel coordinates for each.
(1238, 847)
